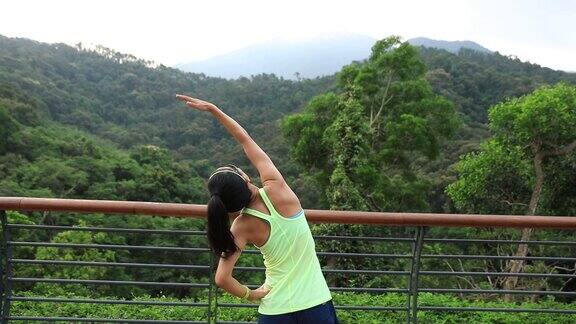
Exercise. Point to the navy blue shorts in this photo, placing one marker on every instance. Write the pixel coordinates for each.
(321, 314)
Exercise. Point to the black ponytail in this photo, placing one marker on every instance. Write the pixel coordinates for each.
(219, 236)
(228, 193)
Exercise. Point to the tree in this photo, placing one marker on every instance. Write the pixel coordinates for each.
(511, 172)
(7, 127)
(359, 143)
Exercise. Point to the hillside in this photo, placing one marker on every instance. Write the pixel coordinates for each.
(450, 46)
(122, 99)
(126, 103)
(476, 81)
(41, 158)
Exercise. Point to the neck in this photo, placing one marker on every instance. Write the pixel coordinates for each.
(254, 195)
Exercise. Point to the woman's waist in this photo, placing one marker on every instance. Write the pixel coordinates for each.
(285, 265)
(298, 274)
(295, 296)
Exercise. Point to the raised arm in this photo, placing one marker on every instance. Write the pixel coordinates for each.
(261, 161)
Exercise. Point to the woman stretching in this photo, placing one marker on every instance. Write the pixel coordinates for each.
(271, 219)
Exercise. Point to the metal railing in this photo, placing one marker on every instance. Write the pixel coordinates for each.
(415, 266)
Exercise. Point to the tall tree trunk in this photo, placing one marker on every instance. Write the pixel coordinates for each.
(516, 266)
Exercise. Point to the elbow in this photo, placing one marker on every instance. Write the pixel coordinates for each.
(221, 280)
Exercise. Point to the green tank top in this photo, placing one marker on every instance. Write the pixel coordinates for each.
(292, 268)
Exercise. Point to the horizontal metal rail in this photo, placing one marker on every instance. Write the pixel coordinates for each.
(104, 301)
(343, 307)
(365, 238)
(499, 242)
(111, 246)
(185, 266)
(316, 237)
(495, 257)
(497, 291)
(184, 232)
(494, 309)
(369, 290)
(497, 274)
(111, 282)
(315, 216)
(337, 254)
(110, 264)
(364, 255)
(104, 229)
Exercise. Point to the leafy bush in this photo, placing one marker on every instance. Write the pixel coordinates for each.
(345, 316)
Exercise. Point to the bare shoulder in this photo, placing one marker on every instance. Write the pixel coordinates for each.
(241, 225)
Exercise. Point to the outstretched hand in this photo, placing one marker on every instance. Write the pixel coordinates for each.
(196, 103)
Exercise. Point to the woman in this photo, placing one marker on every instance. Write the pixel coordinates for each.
(271, 219)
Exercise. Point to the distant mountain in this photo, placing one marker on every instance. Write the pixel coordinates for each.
(450, 46)
(310, 58)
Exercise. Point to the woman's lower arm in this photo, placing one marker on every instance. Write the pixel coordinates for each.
(232, 286)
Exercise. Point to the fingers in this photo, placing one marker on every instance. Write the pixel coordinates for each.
(184, 98)
(195, 103)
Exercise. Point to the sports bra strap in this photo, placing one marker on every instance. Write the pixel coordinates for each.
(254, 212)
(268, 202)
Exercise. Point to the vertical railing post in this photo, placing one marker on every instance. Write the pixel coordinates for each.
(215, 292)
(412, 307)
(2, 249)
(209, 313)
(7, 273)
(211, 292)
(409, 296)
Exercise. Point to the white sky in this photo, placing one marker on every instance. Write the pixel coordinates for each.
(171, 31)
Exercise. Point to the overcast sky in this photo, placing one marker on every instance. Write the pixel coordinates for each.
(170, 31)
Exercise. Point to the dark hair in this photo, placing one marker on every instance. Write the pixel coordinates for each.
(229, 193)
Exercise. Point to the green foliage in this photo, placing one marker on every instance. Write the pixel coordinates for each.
(50, 160)
(500, 178)
(347, 138)
(78, 123)
(546, 118)
(130, 103)
(495, 180)
(345, 316)
(510, 173)
(359, 143)
(8, 126)
(475, 81)
(75, 272)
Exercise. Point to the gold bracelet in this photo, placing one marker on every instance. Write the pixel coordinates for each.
(247, 294)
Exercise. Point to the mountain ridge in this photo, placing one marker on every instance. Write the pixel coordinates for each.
(309, 58)
(450, 46)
